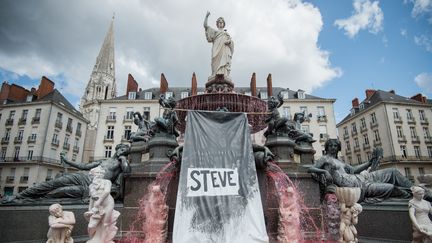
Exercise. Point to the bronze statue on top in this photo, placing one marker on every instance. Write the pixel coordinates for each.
(375, 186)
(144, 131)
(167, 123)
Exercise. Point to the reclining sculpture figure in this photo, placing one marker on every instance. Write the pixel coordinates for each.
(375, 186)
(76, 184)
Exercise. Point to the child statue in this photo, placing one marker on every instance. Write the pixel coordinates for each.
(419, 210)
(101, 216)
(61, 224)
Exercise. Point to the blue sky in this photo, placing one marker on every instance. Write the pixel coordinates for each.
(304, 44)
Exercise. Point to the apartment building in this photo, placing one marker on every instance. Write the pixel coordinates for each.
(35, 127)
(397, 124)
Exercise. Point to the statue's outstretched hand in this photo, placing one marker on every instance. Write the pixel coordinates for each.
(208, 14)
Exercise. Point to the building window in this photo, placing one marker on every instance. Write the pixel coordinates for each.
(426, 132)
(55, 138)
(24, 114)
(366, 139)
(345, 131)
(148, 95)
(66, 142)
(110, 133)
(413, 132)
(409, 114)
(396, 114)
(373, 118)
(323, 130)
(422, 115)
(300, 94)
(112, 113)
(129, 113)
(417, 152)
(49, 175)
(78, 130)
(7, 134)
(321, 111)
(4, 150)
(263, 95)
(11, 115)
(421, 170)
(286, 112)
(363, 123)
(30, 155)
(399, 131)
(429, 149)
(16, 153)
(403, 151)
(377, 136)
(59, 117)
(127, 132)
(359, 160)
(132, 95)
(356, 143)
(38, 113)
(146, 113)
(108, 150)
(168, 94)
(353, 127)
(20, 135)
(184, 94)
(285, 95)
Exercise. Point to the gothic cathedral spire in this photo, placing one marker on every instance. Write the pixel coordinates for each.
(101, 85)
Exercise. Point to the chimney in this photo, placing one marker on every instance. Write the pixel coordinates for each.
(163, 84)
(392, 91)
(355, 103)
(419, 97)
(132, 85)
(4, 93)
(269, 85)
(253, 85)
(369, 93)
(194, 84)
(46, 86)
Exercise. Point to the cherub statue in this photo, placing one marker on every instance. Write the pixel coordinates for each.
(61, 224)
(144, 132)
(275, 121)
(167, 123)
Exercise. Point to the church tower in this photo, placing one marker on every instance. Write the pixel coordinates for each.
(101, 85)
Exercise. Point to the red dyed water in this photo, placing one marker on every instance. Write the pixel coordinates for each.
(150, 225)
(293, 213)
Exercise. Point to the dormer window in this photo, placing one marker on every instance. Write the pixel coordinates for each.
(285, 95)
(184, 94)
(148, 95)
(300, 94)
(361, 106)
(132, 95)
(29, 98)
(263, 95)
(168, 94)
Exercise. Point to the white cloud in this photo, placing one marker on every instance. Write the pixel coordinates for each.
(404, 32)
(424, 41)
(151, 37)
(368, 15)
(421, 7)
(424, 81)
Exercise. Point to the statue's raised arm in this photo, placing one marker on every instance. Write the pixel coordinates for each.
(206, 19)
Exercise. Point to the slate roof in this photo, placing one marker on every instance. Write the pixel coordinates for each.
(382, 96)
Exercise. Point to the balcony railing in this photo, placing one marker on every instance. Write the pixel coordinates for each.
(377, 142)
(322, 118)
(55, 143)
(373, 124)
(411, 121)
(22, 121)
(346, 136)
(48, 178)
(24, 179)
(428, 140)
(35, 159)
(402, 139)
(353, 132)
(108, 139)
(10, 179)
(35, 120)
(5, 140)
(111, 118)
(415, 139)
(9, 122)
(18, 140)
(424, 121)
(127, 119)
(324, 137)
(58, 124)
(75, 149)
(78, 133)
(366, 146)
(31, 139)
(363, 129)
(66, 146)
(398, 120)
(356, 149)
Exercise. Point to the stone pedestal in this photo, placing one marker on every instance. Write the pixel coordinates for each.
(137, 150)
(283, 148)
(219, 84)
(159, 147)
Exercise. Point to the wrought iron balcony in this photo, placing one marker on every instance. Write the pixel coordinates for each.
(66, 146)
(398, 120)
(322, 118)
(373, 124)
(22, 121)
(18, 140)
(424, 121)
(5, 140)
(78, 133)
(31, 139)
(58, 124)
(35, 120)
(415, 139)
(75, 149)
(9, 122)
(69, 128)
(10, 179)
(111, 118)
(411, 121)
(24, 179)
(55, 143)
(402, 139)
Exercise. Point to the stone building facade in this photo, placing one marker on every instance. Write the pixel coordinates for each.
(399, 125)
(36, 126)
